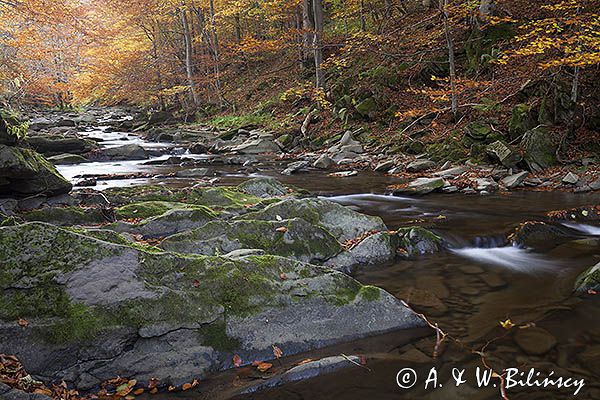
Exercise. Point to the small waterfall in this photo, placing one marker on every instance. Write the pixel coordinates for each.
(510, 257)
(585, 229)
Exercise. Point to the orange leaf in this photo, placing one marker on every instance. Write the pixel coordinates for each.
(264, 366)
(154, 390)
(186, 386)
(23, 322)
(172, 388)
(139, 391)
(283, 276)
(277, 352)
(282, 229)
(237, 360)
(306, 361)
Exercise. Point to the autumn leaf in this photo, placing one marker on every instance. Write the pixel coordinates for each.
(305, 361)
(508, 324)
(23, 322)
(283, 276)
(196, 283)
(138, 391)
(237, 360)
(282, 229)
(264, 366)
(186, 386)
(277, 352)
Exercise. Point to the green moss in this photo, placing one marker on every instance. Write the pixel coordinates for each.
(14, 126)
(450, 149)
(215, 336)
(66, 216)
(80, 323)
(148, 209)
(370, 293)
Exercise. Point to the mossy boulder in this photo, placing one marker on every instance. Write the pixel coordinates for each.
(376, 249)
(23, 172)
(343, 223)
(147, 209)
(97, 309)
(538, 150)
(67, 216)
(52, 145)
(168, 223)
(539, 235)
(522, 120)
(294, 238)
(416, 241)
(503, 153)
(478, 130)
(589, 280)
(67, 159)
(265, 188)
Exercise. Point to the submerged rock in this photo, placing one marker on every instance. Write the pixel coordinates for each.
(97, 309)
(67, 159)
(23, 172)
(418, 241)
(421, 186)
(589, 280)
(539, 235)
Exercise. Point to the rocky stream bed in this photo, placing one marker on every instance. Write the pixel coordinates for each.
(177, 257)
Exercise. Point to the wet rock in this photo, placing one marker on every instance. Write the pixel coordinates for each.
(67, 159)
(385, 166)
(126, 152)
(503, 153)
(198, 148)
(294, 167)
(583, 214)
(323, 162)
(471, 269)
(513, 181)
(493, 280)
(535, 341)
(420, 165)
(421, 186)
(451, 172)
(8, 206)
(434, 284)
(538, 150)
(68, 216)
(264, 188)
(570, 179)
(375, 249)
(23, 172)
(422, 298)
(192, 173)
(295, 238)
(539, 235)
(257, 146)
(179, 318)
(486, 184)
(51, 146)
(418, 241)
(590, 357)
(168, 223)
(343, 223)
(8, 393)
(595, 185)
(589, 280)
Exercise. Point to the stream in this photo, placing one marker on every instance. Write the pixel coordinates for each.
(478, 281)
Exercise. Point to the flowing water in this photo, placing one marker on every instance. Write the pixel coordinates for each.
(479, 280)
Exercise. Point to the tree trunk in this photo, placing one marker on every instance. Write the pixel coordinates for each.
(189, 66)
(451, 62)
(216, 50)
(317, 43)
(238, 28)
(308, 28)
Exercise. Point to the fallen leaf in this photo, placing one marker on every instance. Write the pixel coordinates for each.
(277, 352)
(306, 361)
(172, 388)
(283, 276)
(132, 383)
(592, 292)
(507, 324)
(23, 322)
(186, 386)
(196, 283)
(264, 366)
(154, 390)
(237, 360)
(139, 391)
(282, 229)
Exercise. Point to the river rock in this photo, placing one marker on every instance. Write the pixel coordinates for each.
(264, 188)
(421, 186)
(515, 180)
(68, 216)
(418, 241)
(422, 298)
(192, 173)
(375, 249)
(169, 223)
(125, 152)
(538, 150)
(539, 235)
(589, 280)
(97, 310)
(535, 341)
(503, 153)
(323, 162)
(294, 167)
(67, 159)
(8, 393)
(451, 172)
(51, 145)
(420, 165)
(343, 223)
(486, 184)
(23, 172)
(257, 146)
(294, 238)
(570, 179)
(385, 166)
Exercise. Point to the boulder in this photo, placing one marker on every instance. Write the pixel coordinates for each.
(294, 167)
(169, 223)
(67, 216)
(343, 223)
(417, 241)
(420, 165)
(421, 186)
(323, 162)
(378, 249)
(257, 146)
(478, 130)
(503, 153)
(539, 235)
(512, 181)
(538, 150)
(147, 209)
(97, 309)
(126, 152)
(23, 172)
(486, 184)
(192, 173)
(385, 166)
(294, 238)
(264, 188)
(589, 280)
(67, 159)
(570, 179)
(451, 172)
(51, 145)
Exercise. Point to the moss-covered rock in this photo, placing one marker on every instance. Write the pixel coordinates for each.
(168, 223)
(379, 248)
(538, 150)
(13, 128)
(147, 209)
(539, 235)
(415, 241)
(67, 159)
(23, 172)
(522, 120)
(265, 188)
(295, 238)
(52, 145)
(97, 308)
(67, 216)
(343, 223)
